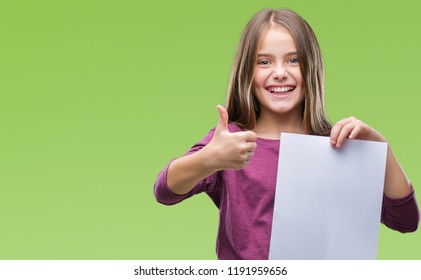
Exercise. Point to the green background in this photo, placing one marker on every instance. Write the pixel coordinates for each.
(97, 96)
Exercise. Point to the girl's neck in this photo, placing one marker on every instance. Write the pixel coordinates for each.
(269, 126)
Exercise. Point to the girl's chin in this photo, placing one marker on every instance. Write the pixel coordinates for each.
(281, 110)
(282, 106)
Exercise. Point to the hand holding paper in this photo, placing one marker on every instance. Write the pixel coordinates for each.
(353, 128)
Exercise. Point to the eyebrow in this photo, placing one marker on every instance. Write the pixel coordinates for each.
(270, 55)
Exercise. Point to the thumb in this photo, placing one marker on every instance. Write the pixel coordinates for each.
(223, 119)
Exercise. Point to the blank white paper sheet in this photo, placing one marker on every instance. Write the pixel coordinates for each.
(328, 201)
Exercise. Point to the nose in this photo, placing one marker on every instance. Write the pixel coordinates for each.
(280, 72)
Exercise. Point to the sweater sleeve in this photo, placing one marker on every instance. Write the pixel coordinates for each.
(401, 214)
(163, 193)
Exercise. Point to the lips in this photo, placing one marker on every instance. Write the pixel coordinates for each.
(280, 90)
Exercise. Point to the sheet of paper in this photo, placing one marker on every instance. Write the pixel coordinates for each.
(328, 201)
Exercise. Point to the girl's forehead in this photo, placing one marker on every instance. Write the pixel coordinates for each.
(276, 38)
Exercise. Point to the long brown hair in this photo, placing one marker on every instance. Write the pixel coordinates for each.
(243, 107)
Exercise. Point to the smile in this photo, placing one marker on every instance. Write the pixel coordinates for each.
(280, 90)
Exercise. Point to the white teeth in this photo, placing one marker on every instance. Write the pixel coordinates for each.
(280, 89)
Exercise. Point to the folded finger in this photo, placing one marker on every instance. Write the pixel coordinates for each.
(344, 133)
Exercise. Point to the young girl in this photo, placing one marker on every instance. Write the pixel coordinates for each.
(276, 86)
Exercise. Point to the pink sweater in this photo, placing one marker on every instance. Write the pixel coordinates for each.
(245, 199)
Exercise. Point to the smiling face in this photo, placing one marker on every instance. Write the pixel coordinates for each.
(277, 81)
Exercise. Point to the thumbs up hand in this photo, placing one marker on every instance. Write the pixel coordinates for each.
(229, 150)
